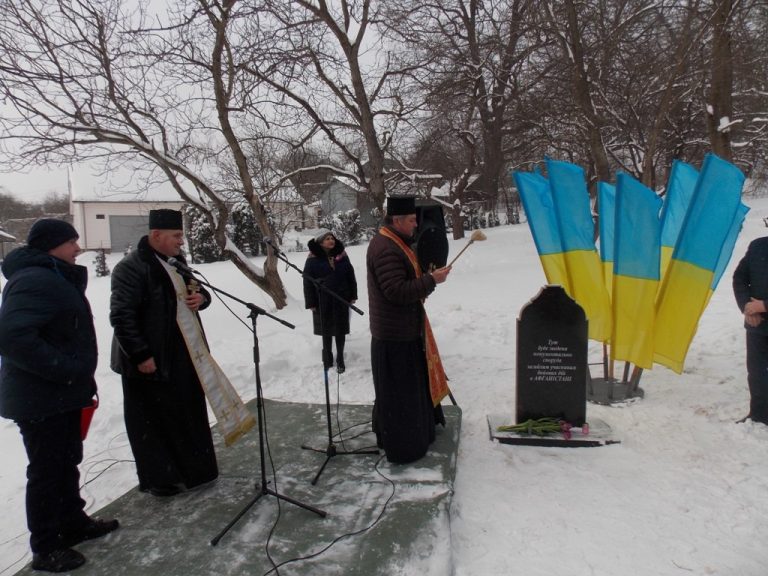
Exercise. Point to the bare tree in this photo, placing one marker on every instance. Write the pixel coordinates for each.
(645, 76)
(162, 91)
(479, 61)
(720, 97)
(569, 29)
(335, 80)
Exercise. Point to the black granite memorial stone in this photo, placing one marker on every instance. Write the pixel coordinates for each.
(552, 358)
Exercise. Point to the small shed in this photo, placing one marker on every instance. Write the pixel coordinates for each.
(342, 194)
(110, 212)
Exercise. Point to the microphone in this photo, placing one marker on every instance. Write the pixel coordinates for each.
(181, 266)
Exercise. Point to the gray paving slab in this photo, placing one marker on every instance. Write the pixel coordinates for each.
(382, 519)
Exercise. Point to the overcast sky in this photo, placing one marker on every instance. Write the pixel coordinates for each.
(34, 185)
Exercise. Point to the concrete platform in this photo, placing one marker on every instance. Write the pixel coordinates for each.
(382, 519)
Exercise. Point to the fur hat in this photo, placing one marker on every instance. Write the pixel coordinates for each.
(401, 205)
(165, 219)
(48, 233)
(322, 234)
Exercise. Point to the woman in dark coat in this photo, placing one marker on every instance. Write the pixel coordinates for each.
(328, 263)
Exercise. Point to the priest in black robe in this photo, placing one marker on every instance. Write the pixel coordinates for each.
(164, 403)
(408, 378)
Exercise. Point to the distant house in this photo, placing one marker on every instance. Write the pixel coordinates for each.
(5, 238)
(343, 194)
(475, 196)
(108, 213)
(475, 193)
(289, 210)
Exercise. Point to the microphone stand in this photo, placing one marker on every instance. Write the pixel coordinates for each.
(262, 488)
(330, 449)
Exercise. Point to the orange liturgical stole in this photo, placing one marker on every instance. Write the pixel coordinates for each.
(438, 381)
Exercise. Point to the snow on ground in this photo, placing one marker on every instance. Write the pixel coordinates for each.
(684, 492)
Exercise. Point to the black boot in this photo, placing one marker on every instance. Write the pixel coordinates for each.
(164, 491)
(327, 358)
(93, 529)
(340, 366)
(62, 560)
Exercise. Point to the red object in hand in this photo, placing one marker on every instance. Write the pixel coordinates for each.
(86, 415)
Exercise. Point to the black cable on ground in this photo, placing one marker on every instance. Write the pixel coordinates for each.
(343, 536)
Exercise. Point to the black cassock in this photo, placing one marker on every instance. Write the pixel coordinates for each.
(167, 425)
(403, 414)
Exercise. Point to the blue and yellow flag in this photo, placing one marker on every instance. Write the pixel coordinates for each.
(606, 208)
(727, 250)
(574, 219)
(539, 210)
(635, 271)
(682, 181)
(686, 287)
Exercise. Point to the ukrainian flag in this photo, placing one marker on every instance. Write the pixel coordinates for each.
(574, 219)
(606, 207)
(727, 251)
(682, 181)
(706, 230)
(635, 271)
(539, 210)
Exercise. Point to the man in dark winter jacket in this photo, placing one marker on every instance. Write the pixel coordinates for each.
(407, 373)
(48, 349)
(164, 404)
(750, 286)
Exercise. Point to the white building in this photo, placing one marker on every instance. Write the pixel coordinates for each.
(108, 212)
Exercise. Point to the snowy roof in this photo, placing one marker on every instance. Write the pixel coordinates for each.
(445, 189)
(347, 181)
(439, 192)
(285, 193)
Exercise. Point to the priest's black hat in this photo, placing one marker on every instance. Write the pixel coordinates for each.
(165, 219)
(401, 205)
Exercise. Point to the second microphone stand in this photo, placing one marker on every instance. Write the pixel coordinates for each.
(330, 449)
(263, 488)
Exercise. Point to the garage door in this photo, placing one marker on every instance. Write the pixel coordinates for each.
(126, 231)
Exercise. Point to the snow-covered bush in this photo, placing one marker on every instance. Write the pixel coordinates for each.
(101, 263)
(199, 234)
(246, 234)
(345, 226)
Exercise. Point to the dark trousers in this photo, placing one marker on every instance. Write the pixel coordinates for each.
(757, 376)
(328, 350)
(54, 507)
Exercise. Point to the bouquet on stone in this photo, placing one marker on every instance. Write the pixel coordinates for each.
(543, 426)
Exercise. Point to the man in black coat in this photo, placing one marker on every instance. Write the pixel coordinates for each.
(164, 404)
(48, 349)
(750, 286)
